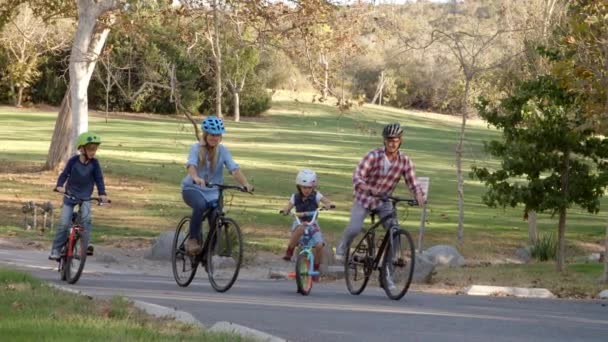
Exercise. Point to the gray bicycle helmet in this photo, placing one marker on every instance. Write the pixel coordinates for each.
(393, 130)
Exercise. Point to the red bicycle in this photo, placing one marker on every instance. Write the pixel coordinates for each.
(74, 252)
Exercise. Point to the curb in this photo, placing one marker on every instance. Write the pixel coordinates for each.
(185, 317)
(228, 327)
(483, 290)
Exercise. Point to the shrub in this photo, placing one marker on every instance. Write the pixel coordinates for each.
(545, 248)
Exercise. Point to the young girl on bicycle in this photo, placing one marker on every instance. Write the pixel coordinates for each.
(81, 173)
(306, 199)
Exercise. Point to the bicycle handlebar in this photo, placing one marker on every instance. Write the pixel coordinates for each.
(227, 187)
(385, 198)
(74, 198)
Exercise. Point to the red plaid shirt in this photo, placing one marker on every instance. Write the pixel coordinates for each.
(370, 171)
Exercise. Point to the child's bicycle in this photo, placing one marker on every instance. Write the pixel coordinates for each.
(305, 261)
(393, 255)
(222, 252)
(74, 252)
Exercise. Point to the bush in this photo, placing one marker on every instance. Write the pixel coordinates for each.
(545, 248)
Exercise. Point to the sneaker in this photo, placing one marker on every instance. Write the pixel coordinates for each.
(339, 257)
(193, 247)
(390, 284)
(54, 255)
(315, 278)
(90, 250)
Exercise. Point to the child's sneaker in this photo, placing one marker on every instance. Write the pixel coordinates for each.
(54, 255)
(288, 254)
(90, 250)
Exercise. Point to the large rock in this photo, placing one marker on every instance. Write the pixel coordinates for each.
(423, 269)
(327, 259)
(444, 255)
(524, 254)
(603, 294)
(161, 250)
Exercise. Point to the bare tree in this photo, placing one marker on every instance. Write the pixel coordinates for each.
(26, 40)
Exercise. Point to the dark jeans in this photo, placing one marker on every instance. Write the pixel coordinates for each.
(195, 200)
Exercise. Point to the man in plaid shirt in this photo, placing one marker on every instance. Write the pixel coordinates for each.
(378, 173)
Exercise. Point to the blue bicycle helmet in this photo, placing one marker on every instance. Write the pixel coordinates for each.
(213, 125)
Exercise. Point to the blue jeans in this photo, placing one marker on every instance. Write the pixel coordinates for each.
(65, 222)
(194, 199)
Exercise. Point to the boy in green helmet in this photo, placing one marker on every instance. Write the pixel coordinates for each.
(81, 173)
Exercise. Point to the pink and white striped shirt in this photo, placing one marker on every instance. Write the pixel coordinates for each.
(374, 171)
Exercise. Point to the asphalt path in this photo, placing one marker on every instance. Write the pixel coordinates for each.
(329, 313)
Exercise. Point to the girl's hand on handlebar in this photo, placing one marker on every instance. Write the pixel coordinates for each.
(248, 188)
(199, 181)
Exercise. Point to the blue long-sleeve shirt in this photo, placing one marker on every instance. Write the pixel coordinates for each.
(81, 178)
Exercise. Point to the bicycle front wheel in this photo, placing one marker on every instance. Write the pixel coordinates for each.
(184, 265)
(398, 265)
(75, 264)
(224, 254)
(303, 277)
(358, 265)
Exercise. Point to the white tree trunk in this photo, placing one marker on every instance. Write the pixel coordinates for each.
(237, 104)
(86, 48)
(459, 176)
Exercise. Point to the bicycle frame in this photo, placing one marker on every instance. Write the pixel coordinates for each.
(307, 249)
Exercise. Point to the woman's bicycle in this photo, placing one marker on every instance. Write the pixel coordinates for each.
(74, 252)
(393, 256)
(222, 252)
(305, 260)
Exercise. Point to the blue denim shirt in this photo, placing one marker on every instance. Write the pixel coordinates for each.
(224, 159)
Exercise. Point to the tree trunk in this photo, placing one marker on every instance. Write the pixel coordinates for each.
(19, 97)
(60, 142)
(218, 61)
(561, 230)
(605, 278)
(88, 43)
(532, 232)
(459, 176)
(237, 104)
(325, 79)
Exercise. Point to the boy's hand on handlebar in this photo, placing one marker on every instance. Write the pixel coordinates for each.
(105, 199)
(60, 189)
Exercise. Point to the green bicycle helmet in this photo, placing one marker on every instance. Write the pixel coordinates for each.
(88, 138)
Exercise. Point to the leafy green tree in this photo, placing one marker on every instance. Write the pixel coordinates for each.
(548, 163)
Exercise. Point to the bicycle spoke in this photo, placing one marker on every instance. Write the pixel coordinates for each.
(224, 255)
(398, 265)
(357, 268)
(184, 266)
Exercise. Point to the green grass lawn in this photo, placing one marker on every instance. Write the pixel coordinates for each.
(33, 311)
(143, 163)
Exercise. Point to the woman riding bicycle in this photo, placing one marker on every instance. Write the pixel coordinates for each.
(378, 173)
(205, 165)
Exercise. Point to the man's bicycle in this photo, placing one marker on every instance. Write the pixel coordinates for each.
(222, 252)
(305, 261)
(393, 256)
(74, 252)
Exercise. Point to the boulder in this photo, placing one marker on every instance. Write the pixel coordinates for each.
(423, 269)
(603, 295)
(444, 255)
(161, 250)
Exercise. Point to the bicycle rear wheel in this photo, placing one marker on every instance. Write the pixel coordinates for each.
(358, 265)
(184, 265)
(224, 254)
(398, 266)
(75, 264)
(303, 277)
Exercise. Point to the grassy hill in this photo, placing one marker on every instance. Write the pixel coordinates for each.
(143, 159)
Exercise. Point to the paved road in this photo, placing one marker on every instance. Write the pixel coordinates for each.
(330, 314)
